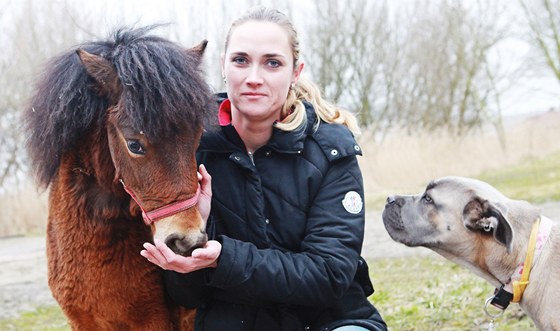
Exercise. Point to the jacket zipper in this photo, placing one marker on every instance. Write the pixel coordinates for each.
(251, 157)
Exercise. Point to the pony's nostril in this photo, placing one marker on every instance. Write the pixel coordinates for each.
(177, 244)
(390, 200)
(180, 244)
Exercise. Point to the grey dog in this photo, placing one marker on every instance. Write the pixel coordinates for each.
(471, 223)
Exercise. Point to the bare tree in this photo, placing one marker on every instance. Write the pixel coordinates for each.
(32, 32)
(543, 18)
(447, 78)
(426, 68)
(349, 50)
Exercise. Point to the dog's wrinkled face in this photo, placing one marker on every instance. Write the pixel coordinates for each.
(470, 223)
(450, 215)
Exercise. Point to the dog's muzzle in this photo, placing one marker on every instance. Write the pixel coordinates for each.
(392, 213)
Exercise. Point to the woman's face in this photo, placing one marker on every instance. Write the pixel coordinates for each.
(259, 69)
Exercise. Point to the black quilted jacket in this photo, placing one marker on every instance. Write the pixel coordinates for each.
(291, 224)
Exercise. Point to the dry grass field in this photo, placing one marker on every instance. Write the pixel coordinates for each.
(23, 212)
(402, 163)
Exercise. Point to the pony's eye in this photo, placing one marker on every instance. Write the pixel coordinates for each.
(134, 146)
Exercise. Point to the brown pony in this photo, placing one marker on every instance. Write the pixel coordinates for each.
(125, 111)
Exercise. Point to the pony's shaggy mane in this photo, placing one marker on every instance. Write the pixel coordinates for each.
(163, 93)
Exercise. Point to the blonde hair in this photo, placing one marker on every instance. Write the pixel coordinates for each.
(293, 111)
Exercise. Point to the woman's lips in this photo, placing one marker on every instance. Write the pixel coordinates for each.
(253, 95)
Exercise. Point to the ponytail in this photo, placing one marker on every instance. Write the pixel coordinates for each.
(293, 111)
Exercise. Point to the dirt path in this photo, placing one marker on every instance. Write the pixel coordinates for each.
(23, 275)
(23, 268)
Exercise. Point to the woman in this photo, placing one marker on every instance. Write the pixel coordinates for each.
(287, 217)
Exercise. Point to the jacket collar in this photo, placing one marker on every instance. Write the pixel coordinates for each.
(226, 139)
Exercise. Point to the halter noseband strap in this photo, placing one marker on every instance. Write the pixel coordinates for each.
(165, 211)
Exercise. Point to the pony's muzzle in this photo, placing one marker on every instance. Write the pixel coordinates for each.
(185, 244)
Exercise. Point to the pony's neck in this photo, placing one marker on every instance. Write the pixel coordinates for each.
(102, 199)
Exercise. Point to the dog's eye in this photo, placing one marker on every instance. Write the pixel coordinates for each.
(427, 198)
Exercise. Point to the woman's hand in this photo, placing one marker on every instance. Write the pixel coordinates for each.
(205, 199)
(162, 256)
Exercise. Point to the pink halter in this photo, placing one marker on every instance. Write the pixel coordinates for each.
(165, 211)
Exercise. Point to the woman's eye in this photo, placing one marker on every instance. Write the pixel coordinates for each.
(239, 60)
(273, 63)
(134, 146)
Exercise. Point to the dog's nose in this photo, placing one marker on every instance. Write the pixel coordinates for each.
(390, 200)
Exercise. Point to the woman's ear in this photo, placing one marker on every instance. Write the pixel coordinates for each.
(297, 72)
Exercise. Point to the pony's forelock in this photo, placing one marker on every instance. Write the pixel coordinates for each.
(163, 89)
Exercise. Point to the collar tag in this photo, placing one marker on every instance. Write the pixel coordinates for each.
(501, 298)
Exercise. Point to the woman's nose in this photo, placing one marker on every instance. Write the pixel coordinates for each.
(254, 77)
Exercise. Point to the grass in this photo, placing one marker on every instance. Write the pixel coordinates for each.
(525, 166)
(412, 294)
(45, 318)
(536, 180)
(24, 211)
(431, 293)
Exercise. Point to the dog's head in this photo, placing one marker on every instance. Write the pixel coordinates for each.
(471, 223)
(451, 215)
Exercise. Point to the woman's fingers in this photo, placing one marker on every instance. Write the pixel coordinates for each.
(210, 251)
(205, 181)
(208, 255)
(154, 254)
(205, 201)
(147, 255)
(161, 255)
(203, 171)
(169, 256)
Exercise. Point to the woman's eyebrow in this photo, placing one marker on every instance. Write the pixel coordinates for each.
(267, 55)
(274, 55)
(239, 54)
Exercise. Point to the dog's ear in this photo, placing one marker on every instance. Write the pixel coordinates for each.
(483, 215)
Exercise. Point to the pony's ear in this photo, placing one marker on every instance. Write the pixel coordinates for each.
(483, 215)
(104, 74)
(198, 50)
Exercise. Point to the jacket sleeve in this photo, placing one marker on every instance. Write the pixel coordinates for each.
(326, 265)
(187, 290)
